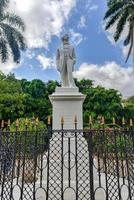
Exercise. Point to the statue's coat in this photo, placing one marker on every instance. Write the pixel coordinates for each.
(65, 64)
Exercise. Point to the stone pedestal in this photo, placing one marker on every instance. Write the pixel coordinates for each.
(67, 102)
(64, 172)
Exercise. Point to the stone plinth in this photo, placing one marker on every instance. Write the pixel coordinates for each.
(67, 102)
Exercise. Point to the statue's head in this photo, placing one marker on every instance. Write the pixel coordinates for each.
(65, 38)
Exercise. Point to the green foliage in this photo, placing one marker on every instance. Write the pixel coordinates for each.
(12, 28)
(37, 101)
(100, 101)
(30, 136)
(25, 99)
(129, 108)
(119, 143)
(31, 125)
(11, 97)
(121, 13)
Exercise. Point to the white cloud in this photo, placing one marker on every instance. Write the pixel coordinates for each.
(125, 50)
(82, 22)
(76, 38)
(109, 33)
(46, 62)
(90, 6)
(109, 75)
(9, 66)
(30, 54)
(94, 7)
(43, 18)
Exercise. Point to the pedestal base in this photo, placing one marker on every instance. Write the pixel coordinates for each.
(67, 103)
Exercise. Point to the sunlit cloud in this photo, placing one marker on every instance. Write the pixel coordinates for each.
(109, 75)
(43, 19)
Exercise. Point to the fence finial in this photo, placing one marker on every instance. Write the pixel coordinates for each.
(90, 120)
(62, 120)
(26, 122)
(33, 120)
(2, 124)
(114, 122)
(17, 123)
(9, 123)
(123, 121)
(131, 122)
(37, 121)
(49, 120)
(75, 119)
(102, 120)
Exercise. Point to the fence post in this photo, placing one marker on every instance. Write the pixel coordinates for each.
(90, 150)
(35, 156)
(49, 128)
(62, 158)
(76, 156)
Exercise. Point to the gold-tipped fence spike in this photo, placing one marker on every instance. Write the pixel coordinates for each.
(9, 123)
(131, 122)
(37, 121)
(90, 120)
(33, 121)
(17, 123)
(62, 120)
(2, 124)
(114, 122)
(75, 119)
(49, 120)
(103, 121)
(26, 122)
(123, 121)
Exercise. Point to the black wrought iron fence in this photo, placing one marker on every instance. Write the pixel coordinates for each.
(67, 164)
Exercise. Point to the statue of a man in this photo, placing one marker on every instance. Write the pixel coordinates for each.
(65, 60)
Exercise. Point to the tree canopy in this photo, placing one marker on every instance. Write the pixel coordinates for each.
(23, 98)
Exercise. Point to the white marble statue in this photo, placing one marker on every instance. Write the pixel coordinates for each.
(65, 61)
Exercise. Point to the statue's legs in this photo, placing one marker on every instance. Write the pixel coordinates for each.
(67, 74)
(64, 77)
(71, 82)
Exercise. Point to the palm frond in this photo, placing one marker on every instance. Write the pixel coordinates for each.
(15, 40)
(131, 45)
(3, 50)
(8, 30)
(15, 50)
(14, 20)
(113, 19)
(3, 4)
(111, 2)
(21, 40)
(121, 11)
(128, 38)
(129, 52)
(12, 28)
(113, 9)
(120, 25)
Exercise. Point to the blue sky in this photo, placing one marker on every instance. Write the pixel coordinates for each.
(98, 57)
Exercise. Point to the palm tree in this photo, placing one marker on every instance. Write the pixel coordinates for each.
(121, 12)
(12, 41)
